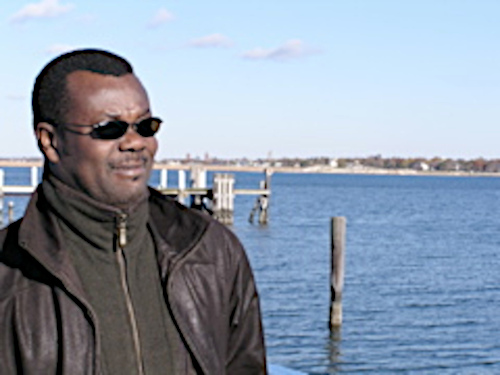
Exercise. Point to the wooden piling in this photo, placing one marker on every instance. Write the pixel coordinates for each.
(223, 197)
(338, 233)
(198, 177)
(182, 186)
(11, 212)
(163, 178)
(34, 176)
(264, 199)
(262, 203)
(198, 181)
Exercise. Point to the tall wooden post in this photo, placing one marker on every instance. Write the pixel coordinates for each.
(198, 177)
(262, 203)
(163, 178)
(11, 212)
(264, 199)
(223, 197)
(338, 231)
(34, 176)
(198, 180)
(182, 186)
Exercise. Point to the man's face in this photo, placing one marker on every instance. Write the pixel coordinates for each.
(112, 171)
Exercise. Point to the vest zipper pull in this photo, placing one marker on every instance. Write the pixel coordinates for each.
(122, 230)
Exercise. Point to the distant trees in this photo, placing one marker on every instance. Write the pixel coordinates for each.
(371, 162)
(415, 163)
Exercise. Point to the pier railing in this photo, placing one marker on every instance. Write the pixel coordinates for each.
(217, 200)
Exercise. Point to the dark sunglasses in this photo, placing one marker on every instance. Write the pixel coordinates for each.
(115, 129)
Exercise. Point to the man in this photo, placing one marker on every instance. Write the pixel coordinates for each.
(104, 275)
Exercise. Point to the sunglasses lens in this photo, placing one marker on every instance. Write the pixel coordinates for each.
(116, 129)
(111, 130)
(148, 127)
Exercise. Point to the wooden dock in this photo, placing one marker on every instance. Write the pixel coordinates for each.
(217, 200)
(28, 163)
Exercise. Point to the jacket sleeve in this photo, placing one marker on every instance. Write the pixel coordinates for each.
(246, 349)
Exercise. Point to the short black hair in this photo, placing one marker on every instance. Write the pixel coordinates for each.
(50, 96)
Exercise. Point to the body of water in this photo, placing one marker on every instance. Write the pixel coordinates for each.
(422, 277)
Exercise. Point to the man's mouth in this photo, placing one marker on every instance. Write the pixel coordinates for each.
(130, 168)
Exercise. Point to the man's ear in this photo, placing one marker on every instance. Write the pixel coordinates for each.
(47, 141)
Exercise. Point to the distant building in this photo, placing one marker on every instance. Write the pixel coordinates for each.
(448, 165)
(420, 166)
(492, 167)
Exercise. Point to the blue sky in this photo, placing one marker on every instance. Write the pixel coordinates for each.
(337, 78)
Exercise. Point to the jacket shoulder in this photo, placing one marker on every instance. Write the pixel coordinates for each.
(18, 269)
(179, 226)
(185, 228)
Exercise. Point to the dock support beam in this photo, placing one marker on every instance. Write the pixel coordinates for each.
(34, 176)
(198, 181)
(264, 199)
(338, 233)
(262, 203)
(223, 197)
(182, 186)
(11, 212)
(163, 178)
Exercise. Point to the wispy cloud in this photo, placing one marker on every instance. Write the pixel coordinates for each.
(87, 19)
(57, 49)
(292, 49)
(16, 97)
(162, 16)
(42, 9)
(212, 40)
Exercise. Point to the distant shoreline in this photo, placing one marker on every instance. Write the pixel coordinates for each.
(357, 170)
(381, 172)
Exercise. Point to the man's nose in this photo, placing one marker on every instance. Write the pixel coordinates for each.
(132, 141)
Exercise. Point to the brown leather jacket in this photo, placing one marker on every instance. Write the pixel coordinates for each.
(48, 327)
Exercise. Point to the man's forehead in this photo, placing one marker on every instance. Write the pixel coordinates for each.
(82, 83)
(89, 78)
(101, 93)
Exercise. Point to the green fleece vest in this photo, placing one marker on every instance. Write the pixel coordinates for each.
(122, 282)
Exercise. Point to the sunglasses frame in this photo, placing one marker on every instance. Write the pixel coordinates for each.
(99, 130)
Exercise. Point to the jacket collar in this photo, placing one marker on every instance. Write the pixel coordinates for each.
(40, 235)
(94, 222)
(175, 228)
(178, 228)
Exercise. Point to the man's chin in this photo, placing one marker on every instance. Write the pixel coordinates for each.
(125, 198)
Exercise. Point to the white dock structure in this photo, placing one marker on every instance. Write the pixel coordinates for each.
(217, 200)
(223, 197)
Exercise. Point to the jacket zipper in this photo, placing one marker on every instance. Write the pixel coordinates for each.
(121, 227)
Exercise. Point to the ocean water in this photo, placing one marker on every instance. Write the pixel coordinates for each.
(422, 280)
(422, 286)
